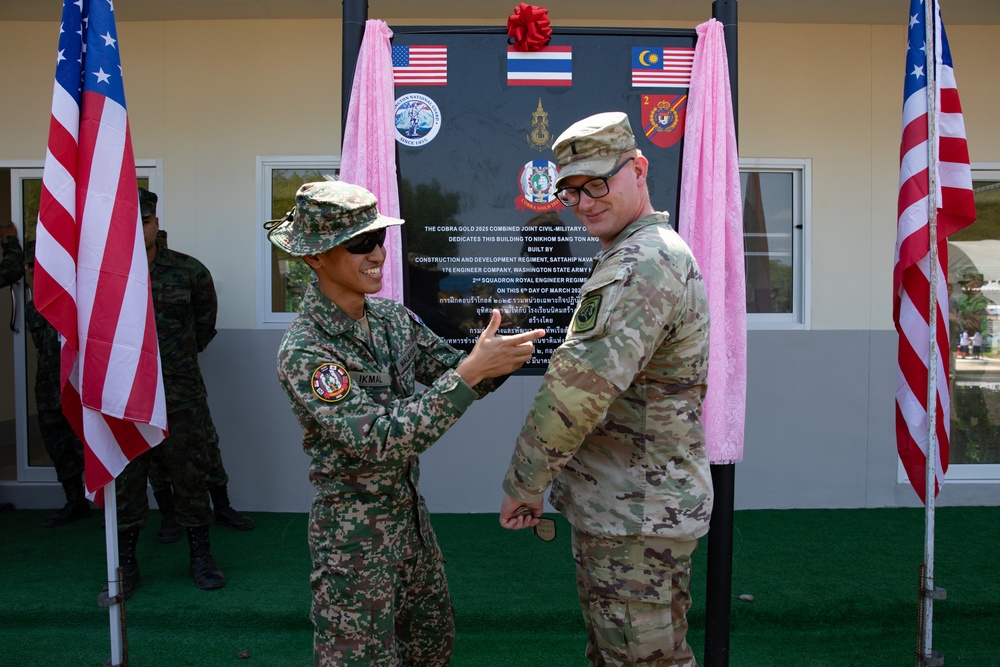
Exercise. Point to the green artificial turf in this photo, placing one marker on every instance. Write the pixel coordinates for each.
(830, 588)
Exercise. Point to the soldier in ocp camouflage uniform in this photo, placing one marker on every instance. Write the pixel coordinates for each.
(349, 364)
(616, 427)
(185, 305)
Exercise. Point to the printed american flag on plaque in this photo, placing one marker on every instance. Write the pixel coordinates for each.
(420, 65)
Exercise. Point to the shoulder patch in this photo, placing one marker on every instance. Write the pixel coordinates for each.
(413, 316)
(586, 314)
(331, 383)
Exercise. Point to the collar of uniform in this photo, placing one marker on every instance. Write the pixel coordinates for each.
(165, 256)
(657, 218)
(325, 313)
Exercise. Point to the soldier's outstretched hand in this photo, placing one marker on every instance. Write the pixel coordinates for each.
(496, 355)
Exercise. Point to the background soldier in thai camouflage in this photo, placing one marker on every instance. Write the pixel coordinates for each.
(349, 364)
(11, 270)
(61, 443)
(185, 305)
(616, 427)
(216, 478)
(12, 263)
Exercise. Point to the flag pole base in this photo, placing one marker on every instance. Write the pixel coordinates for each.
(935, 659)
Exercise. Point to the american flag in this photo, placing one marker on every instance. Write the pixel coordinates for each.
(420, 65)
(91, 272)
(549, 66)
(666, 67)
(911, 273)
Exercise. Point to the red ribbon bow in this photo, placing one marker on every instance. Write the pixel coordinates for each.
(529, 27)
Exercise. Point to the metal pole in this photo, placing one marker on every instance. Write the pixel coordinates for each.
(930, 482)
(114, 585)
(719, 576)
(355, 16)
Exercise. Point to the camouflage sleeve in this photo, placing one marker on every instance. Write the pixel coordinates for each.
(619, 323)
(12, 264)
(206, 306)
(439, 357)
(390, 432)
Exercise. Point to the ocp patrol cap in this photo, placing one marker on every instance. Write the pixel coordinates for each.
(592, 146)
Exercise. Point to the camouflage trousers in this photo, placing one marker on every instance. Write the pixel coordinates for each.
(215, 476)
(61, 444)
(382, 614)
(184, 457)
(635, 595)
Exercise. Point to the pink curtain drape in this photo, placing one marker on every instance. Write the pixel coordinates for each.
(710, 219)
(368, 157)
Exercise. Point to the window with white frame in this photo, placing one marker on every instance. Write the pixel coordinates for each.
(775, 210)
(974, 305)
(281, 278)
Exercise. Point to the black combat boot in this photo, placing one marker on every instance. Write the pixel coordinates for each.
(207, 575)
(76, 506)
(225, 515)
(128, 563)
(169, 530)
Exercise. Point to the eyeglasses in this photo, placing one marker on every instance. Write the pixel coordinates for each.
(364, 244)
(595, 187)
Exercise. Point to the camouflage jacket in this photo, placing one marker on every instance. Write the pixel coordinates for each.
(186, 307)
(12, 264)
(365, 425)
(46, 340)
(616, 425)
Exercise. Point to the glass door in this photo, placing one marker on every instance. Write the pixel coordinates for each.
(22, 451)
(23, 457)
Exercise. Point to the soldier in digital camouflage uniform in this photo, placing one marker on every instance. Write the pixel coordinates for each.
(216, 477)
(11, 270)
(349, 364)
(185, 305)
(61, 443)
(616, 427)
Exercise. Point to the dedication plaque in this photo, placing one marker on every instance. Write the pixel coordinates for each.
(475, 123)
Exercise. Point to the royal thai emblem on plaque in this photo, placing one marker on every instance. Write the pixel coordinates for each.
(540, 137)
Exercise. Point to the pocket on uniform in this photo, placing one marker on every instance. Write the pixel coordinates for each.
(649, 631)
(351, 611)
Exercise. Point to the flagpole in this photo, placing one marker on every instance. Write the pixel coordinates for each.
(114, 584)
(928, 656)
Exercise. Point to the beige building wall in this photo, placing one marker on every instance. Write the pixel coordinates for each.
(207, 97)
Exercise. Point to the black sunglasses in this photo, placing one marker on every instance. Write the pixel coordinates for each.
(364, 244)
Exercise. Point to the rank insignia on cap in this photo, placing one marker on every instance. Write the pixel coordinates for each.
(586, 314)
(331, 383)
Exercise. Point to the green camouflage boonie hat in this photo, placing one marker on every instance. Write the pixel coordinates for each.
(592, 146)
(326, 214)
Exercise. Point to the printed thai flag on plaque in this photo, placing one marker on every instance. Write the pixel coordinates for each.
(661, 67)
(550, 66)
